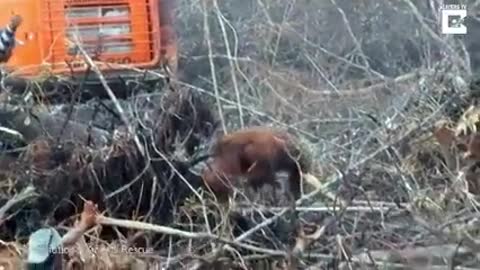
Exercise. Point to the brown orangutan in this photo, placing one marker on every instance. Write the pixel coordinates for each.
(255, 153)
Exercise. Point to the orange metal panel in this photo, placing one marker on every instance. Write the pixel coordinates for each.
(31, 52)
(129, 32)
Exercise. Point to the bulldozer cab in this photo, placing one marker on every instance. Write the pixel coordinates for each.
(119, 35)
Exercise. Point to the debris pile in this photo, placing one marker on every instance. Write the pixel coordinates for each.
(104, 166)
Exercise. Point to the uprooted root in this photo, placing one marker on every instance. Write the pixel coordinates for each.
(116, 176)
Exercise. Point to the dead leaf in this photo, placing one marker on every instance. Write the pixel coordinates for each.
(468, 121)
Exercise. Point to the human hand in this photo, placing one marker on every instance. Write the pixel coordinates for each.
(15, 22)
(89, 214)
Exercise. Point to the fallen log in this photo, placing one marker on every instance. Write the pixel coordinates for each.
(34, 125)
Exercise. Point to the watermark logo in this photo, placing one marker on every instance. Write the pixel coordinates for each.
(453, 17)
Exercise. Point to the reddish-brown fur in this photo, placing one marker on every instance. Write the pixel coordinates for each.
(256, 153)
(471, 146)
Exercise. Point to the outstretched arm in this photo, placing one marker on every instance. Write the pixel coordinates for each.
(7, 38)
(87, 220)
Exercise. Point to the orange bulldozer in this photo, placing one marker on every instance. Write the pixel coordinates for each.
(121, 36)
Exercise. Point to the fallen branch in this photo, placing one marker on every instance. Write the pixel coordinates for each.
(191, 235)
(333, 208)
(22, 125)
(431, 257)
(112, 96)
(27, 193)
(152, 227)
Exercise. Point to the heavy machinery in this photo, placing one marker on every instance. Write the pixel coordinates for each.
(120, 35)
